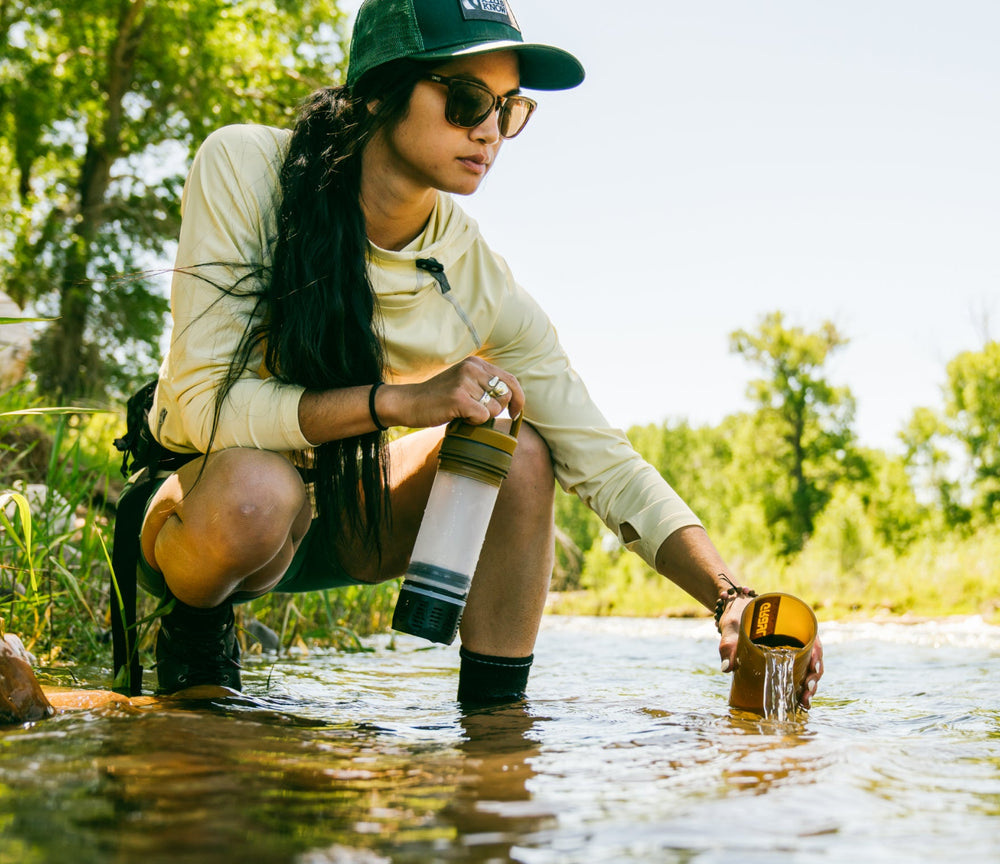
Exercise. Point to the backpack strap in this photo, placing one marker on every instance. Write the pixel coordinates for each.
(141, 453)
(127, 678)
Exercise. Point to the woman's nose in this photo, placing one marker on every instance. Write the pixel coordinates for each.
(489, 130)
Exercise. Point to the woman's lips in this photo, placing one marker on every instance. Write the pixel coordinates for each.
(476, 164)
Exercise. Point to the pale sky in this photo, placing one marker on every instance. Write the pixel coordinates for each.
(837, 161)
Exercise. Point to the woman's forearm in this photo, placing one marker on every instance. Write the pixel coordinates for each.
(689, 559)
(329, 415)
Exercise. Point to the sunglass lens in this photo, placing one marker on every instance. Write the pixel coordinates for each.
(514, 115)
(468, 105)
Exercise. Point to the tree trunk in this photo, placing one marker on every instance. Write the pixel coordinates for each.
(68, 375)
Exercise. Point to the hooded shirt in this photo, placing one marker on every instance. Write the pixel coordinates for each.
(460, 299)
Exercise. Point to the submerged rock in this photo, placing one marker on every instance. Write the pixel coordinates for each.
(264, 635)
(21, 696)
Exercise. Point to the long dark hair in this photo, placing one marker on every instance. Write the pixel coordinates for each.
(316, 315)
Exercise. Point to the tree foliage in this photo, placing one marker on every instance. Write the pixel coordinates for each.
(807, 420)
(953, 454)
(101, 104)
(973, 409)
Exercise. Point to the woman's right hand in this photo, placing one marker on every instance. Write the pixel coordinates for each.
(458, 392)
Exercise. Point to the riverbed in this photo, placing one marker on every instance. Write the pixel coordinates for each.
(626, 750)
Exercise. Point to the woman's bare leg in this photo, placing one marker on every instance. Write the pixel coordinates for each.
(508, 593)
(234, 529)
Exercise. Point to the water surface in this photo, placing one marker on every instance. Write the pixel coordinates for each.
(626, 751)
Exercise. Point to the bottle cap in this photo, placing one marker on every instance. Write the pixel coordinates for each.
(480, 452)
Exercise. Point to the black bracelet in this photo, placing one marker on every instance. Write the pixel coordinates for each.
(371, 406)
(731, 594)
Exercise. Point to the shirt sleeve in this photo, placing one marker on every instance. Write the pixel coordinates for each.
(227, 221)
(591, 459)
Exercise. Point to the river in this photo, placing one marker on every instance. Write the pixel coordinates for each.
(625, 751)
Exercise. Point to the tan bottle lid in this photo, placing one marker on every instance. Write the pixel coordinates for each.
(481, 452)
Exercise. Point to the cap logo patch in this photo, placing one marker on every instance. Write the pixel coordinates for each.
(488, 10)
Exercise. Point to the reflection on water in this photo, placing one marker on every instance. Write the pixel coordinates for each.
(626, 751)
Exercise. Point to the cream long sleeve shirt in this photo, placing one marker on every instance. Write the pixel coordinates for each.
(228, 210)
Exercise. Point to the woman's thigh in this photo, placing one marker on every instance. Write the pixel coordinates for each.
(412, 467)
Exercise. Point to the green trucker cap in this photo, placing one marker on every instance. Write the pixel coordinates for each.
(388, 30)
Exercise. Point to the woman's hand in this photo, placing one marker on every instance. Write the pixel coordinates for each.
(730, 627)
(473, 390)
(813, 673)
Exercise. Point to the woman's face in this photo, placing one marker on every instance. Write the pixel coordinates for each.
(425, 150)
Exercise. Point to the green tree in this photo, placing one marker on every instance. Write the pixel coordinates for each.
(930, 459)
(101, 104)
(973, 410)
(808, 420)
(577, 529)
(696, 462)
(891, 505)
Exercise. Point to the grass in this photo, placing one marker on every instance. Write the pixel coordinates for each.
(59, 481)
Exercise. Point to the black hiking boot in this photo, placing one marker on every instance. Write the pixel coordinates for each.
(197, 646)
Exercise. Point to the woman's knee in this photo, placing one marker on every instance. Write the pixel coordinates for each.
(264, 497)
(243, 506)
(532, 476)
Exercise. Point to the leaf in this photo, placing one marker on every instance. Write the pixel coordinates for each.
(24, 511)
(23, 412)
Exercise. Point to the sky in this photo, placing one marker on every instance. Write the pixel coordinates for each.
(836, 161)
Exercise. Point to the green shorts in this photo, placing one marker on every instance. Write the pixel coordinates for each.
(312, 569)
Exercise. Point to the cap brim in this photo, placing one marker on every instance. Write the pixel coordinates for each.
(543, 67)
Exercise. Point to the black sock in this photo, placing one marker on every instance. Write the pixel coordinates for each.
(195, 618)
(485, 680)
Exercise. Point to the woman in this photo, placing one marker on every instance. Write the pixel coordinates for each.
(328, 288)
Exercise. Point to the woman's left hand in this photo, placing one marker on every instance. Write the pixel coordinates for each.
(813, 673)
(730, 627)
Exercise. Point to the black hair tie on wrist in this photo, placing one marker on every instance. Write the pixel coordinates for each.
(371, 406)
(731, 594)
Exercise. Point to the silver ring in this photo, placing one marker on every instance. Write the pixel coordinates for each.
(500, 389)
(485, 398)
(493, 382)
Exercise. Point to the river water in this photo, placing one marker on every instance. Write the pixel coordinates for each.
(625, 751)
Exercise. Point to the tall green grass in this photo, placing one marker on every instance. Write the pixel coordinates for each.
(55, 562)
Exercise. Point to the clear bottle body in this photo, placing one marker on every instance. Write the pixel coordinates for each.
(445, 555)
(455, 521)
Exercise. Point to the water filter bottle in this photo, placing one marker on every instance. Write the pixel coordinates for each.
(473, 462)
(770, 621)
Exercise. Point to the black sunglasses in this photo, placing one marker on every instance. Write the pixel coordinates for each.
(470, 103)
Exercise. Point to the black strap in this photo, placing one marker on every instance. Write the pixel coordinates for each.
(124, 561)
(143, 453)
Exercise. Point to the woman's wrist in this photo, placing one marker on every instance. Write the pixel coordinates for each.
(372, 408)
(344, 412)
(729, 592)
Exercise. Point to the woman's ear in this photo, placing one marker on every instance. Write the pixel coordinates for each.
(373, 105)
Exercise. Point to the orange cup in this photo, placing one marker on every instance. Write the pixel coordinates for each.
(770, 621)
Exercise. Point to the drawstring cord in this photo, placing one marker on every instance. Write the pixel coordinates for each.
(436, 269)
